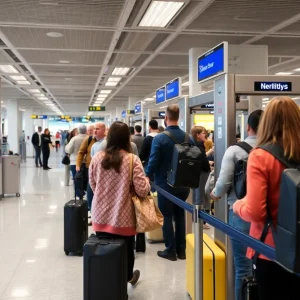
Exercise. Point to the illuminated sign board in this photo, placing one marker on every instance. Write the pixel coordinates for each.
(38, 117)
(173, 89)
(213, 63)
(123, 114)
(160, 95)
(138, 108)
(96, 108)
(161, 113)
(272, 86)
(130, 111)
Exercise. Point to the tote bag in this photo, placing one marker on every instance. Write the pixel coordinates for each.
(148, 216)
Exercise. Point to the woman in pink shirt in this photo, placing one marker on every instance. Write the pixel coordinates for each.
(112, 207)
(279, 125)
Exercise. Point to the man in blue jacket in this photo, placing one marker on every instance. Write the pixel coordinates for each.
(158, 165)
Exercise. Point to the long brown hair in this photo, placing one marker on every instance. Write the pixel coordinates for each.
(280, 124)
(118, 138)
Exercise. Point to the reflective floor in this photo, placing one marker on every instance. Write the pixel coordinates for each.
(33, 265)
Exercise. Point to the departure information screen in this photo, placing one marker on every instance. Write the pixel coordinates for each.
(173, 89)
(272, 86)
(211, 63)
(160, 95)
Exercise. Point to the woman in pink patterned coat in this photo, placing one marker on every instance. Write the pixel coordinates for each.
(112, 208)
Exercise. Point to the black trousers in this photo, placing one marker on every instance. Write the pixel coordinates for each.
(276, 283)
(46, 154)
(129, 240)
(38, 155)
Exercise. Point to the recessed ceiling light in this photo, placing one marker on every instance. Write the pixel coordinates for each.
(114, 79)
(160, 13)
(105, 91)
(120, 71)
(186, 83)
(265, 99)
(25, 82)
(111, 83)
(33, 91)
(297, 70)
(149, 99)
(54, 34)
(284, 73)
(296, 98)
(64, 61)
(17, 77)
(8, 69)
(164, 106)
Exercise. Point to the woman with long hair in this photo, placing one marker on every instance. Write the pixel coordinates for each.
(280, 127)
(46, 143)
(112, 207)
(72, 134)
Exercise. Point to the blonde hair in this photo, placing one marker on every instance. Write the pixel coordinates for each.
(196, 130)
(280, 124)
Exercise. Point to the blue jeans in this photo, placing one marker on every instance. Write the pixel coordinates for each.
(38, 160)
(78, 190)
(174, 242)
(90, 196)
(242, 264)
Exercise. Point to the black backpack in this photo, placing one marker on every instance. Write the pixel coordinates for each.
(185, 167)
(240, 173)
(287, 232)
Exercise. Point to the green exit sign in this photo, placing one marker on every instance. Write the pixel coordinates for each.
(96, 108)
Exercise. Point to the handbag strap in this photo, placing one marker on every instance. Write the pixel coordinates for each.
(131, 169)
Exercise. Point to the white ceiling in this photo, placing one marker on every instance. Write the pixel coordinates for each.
(99, 35)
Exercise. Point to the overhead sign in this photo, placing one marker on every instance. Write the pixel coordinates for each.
(161, 113)
(38, 117)
(272, 86)
(138, 108)
(96, 108)
(213, 63)
(173, 89)
(160, 95)
(130, 111)
(209, 105)
(123, 114)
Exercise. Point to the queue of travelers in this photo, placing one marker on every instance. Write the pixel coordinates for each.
(105, 156)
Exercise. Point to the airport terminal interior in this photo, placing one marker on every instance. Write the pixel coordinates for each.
(67, 63)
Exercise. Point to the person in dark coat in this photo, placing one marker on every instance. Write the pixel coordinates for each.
(46, 142)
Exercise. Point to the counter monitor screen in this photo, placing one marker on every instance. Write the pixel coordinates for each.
(212, 63)
(173, 89)
(160, 95)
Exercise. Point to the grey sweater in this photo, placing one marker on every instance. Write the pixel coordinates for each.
(225, 179)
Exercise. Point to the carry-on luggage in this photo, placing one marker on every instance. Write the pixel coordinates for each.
(75, 226)
(249, 289)
(155, 236)
(214, 269)
(105, 269)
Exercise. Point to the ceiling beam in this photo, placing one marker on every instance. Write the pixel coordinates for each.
(274, 29)
(287, 62)
(128, 7)
(202, 6)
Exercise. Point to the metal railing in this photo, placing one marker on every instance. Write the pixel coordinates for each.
(22, 151)
(198, 217)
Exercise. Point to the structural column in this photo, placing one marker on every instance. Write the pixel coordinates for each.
(13, 130)
(29, 129)
(132, 101)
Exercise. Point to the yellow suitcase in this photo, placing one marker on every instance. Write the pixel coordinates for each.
(214, 269)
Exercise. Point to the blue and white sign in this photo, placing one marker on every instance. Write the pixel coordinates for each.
(272, 86)
(161, 113)
(173, 89)
(138, 108)
(160, 95)
(213, 63)
(123, 114)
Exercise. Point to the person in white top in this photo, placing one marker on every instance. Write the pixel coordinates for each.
(72, 149)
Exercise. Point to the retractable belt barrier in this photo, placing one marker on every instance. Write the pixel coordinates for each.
(230, 231)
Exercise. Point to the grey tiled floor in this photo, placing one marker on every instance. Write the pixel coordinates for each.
(33, 265)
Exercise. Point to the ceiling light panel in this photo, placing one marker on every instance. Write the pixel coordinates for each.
(8, 69)
(24, 82)
(111, 83)
(105, 91)
(114, 79)
(120, 71)
(34, 91)
(17, 77)
(284, 73)
(160, 13)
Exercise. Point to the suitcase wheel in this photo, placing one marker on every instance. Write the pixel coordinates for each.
(150, 241)
(80, 254)
(67, 253)
(17, 194)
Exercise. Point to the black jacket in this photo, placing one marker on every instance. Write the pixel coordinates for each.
(46, 140)
(35, 139)
(146, 149)
(205, 163)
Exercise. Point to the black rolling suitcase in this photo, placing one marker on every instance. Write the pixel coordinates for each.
(105, 269)
(75, 226)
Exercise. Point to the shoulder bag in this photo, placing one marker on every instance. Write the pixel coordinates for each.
(148, 215)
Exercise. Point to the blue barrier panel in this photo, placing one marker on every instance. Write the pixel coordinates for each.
(230, 231)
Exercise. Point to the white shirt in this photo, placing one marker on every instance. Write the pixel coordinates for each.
(40, 138)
